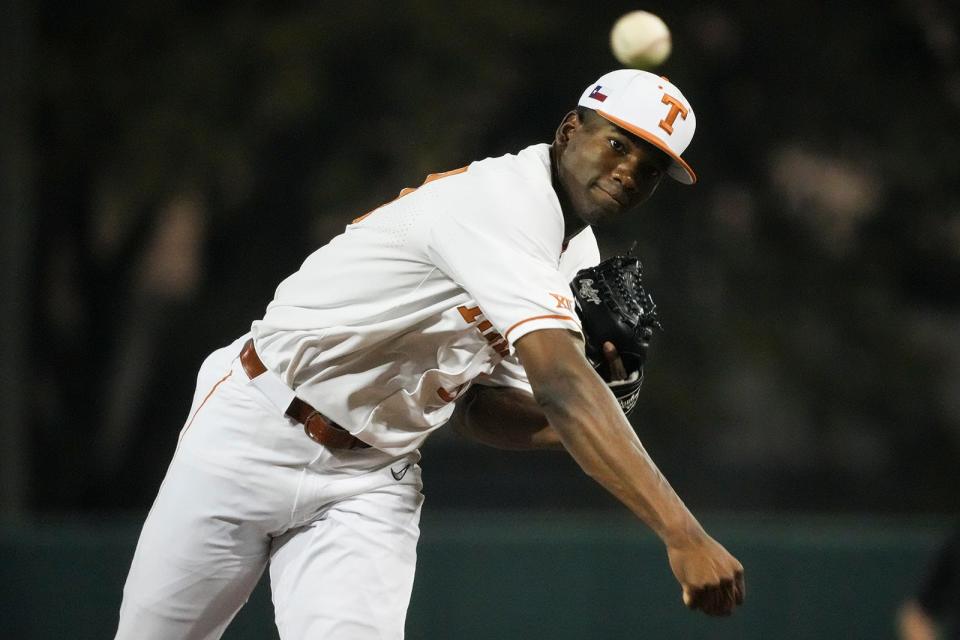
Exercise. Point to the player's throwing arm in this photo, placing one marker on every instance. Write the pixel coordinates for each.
(593, 428)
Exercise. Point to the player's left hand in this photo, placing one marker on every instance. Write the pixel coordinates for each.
(618, 370)
(618, 317)
(624, 384)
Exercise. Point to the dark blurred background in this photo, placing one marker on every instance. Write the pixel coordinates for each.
(164, 165)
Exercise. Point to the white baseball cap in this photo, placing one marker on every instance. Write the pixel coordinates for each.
(650, 107)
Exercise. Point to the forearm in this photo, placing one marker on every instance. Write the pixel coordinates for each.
(594, 430)
(504, 418)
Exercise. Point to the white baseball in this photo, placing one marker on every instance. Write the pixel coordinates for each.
(640, 40)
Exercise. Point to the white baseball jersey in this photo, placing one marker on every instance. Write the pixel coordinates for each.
(381, 330)
(384, 327)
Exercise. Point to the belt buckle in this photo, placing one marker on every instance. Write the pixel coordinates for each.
(316, 436)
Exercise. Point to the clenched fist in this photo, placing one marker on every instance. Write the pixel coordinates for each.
(711, 578)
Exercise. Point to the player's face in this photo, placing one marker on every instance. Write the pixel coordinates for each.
(605, 171)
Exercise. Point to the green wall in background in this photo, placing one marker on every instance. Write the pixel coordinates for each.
(527, 575)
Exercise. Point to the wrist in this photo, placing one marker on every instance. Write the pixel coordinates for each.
(686, 533)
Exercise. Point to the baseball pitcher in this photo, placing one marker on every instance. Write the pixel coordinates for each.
(452, 303)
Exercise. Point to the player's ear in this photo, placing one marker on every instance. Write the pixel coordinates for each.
(570, 123)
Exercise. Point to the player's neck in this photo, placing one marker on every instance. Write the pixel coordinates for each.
(572, 223)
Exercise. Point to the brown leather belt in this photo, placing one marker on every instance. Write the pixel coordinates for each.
(320, 428)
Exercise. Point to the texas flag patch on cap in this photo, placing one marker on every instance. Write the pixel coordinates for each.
(596, 95)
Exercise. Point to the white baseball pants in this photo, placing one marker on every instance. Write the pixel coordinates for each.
(247, 487)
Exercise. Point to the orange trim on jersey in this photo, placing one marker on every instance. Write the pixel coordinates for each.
(207, 397)
(408, 190)
(546, 317)
(444, 174)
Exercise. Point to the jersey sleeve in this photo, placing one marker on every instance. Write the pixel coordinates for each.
(501, 243)
(582, 252)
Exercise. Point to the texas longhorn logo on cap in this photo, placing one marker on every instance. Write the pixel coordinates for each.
(676, 108)
(651, 108)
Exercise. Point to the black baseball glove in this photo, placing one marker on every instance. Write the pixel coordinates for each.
(614, 307)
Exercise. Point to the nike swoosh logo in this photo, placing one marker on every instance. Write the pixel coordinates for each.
(398, 475)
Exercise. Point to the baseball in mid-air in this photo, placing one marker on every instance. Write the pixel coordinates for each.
(640, 40)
